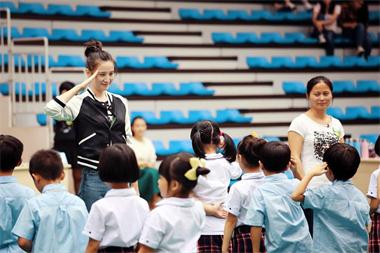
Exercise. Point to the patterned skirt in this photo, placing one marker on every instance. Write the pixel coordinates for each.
(113, 249)
(374, 236)
(210, 243)
(241, 240)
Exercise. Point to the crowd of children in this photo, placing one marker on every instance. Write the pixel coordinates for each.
(199, 211)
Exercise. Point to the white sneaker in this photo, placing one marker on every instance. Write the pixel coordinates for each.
(321, 39)
(360, 51)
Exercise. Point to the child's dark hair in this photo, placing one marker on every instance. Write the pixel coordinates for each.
(66, 85)
(275, 156)
(118, 164)
(47, 163)
(343, 160)
(208, 132)
(174, 167)
(94, 53)
(377, 146)
(249, 149)
(316, 80)
(11, 150)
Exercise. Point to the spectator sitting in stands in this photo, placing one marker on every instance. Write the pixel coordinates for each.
(325, 15)
(354, 24)
(287, 5)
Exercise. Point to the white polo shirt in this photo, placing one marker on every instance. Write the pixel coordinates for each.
(174, 225)
(238, 200)
(117, 219)
(372, 187)
(212, 188)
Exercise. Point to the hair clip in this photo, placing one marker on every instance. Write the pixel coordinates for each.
(191, 174)
(254, 134)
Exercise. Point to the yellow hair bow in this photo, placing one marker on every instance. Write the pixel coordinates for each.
(191, 174)
(254, 134)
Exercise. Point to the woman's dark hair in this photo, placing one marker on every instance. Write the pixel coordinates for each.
(67, 85)
(315, 80)
(208, 132)
(134, 120)
(11, 150)
(330, 9)
(343, 160)
(275, 156)
(174, 167)
(118, 164)
(94, 54)
(377, 146)
(46, 163)
(249, 147)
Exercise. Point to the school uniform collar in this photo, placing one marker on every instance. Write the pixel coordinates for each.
(53, 188)
(213, 156)
(121, 192)
(181, 202)
(7, 179)
(276, 177)
(253, 175)
(340, 182)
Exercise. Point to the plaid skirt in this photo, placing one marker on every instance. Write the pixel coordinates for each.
(113, 249)
(374, 236)
(210, 244)
(241, 240)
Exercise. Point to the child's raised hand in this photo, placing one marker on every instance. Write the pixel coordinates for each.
(318, 170)
(85, 83)
(293, 164)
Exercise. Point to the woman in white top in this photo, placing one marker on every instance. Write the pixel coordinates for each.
(313, 132)
(146, 158)
(325, 15)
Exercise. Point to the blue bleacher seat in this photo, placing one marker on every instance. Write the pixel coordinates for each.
(194, 88)
(124, 36)
(41, 119)
(91, 10)
(239, 15)
(328, 62)
(60, 9)
(340, 86)
(91, 34)
(374, 15)
(258, 62)
(294, 87)
(352, 61)
(39, 59)
(20, 88)
(129, 89)
(305, 62)
(374, 37)
(140, 89)
(176, 146)
(69, 61)
(174, 117)
(10, 5)
(14, 32)
(164, 88)
(367, 86)
(160, 148)
(65, 34)
(300, 38)
(298, 16)
(357, 112)
(4, 89)
(223, 37)
(375, 112)
(281, 62)
(247, 37)
(114, 88)
(275, 16)
(159, 62)
(198, 115)
(40, 89)
(130, 62)
(231, 115)
(35, 32)
(373, 61)
(257, 15)
(149, 117)
(190, 14)
(275, 37)
(32, 8)
(336, 112)
(271, 138)
(216, 14)
(370, 137)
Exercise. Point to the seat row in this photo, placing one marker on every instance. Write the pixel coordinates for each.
(78, 61)
(253, 15)
(301, 62)
(59, 34)
(277, 38)
(178, 117)
(354, 112)
(339, 86)
(21, 88)
(55, 9)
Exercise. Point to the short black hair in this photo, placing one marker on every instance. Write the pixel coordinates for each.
(316, 80)
(248, 149)
(133, 122)
(174, 167)
(343, 160)
(377, 146)
(11, 150)
(275, 156)
(118, 164)
(47, 163)
(66, 85)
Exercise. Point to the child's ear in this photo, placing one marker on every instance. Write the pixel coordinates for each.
(36, 177)
(175, 186)
(62, 176)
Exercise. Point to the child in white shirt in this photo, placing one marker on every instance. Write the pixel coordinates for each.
(176, 223)
(115, 222)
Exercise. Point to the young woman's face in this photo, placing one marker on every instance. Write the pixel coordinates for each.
(163, 185)
(105, 76)
(320, 96)
(139, 127)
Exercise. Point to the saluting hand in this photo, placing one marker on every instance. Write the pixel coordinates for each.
(85, 83)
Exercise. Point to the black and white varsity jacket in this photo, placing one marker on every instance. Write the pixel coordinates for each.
(94, 129)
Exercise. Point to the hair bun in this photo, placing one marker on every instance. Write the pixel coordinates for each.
(92, 46)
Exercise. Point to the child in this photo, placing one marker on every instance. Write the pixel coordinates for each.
(54, 220)
(238, 198)
(176, 223)
(271, 207)
(341, 211)
(12, 195)
(115, 222)
(207, 138)
(373, 192)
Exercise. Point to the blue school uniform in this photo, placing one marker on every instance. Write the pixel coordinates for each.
(341, 214)
(54, 221)
(285, 225)
(12, 199)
